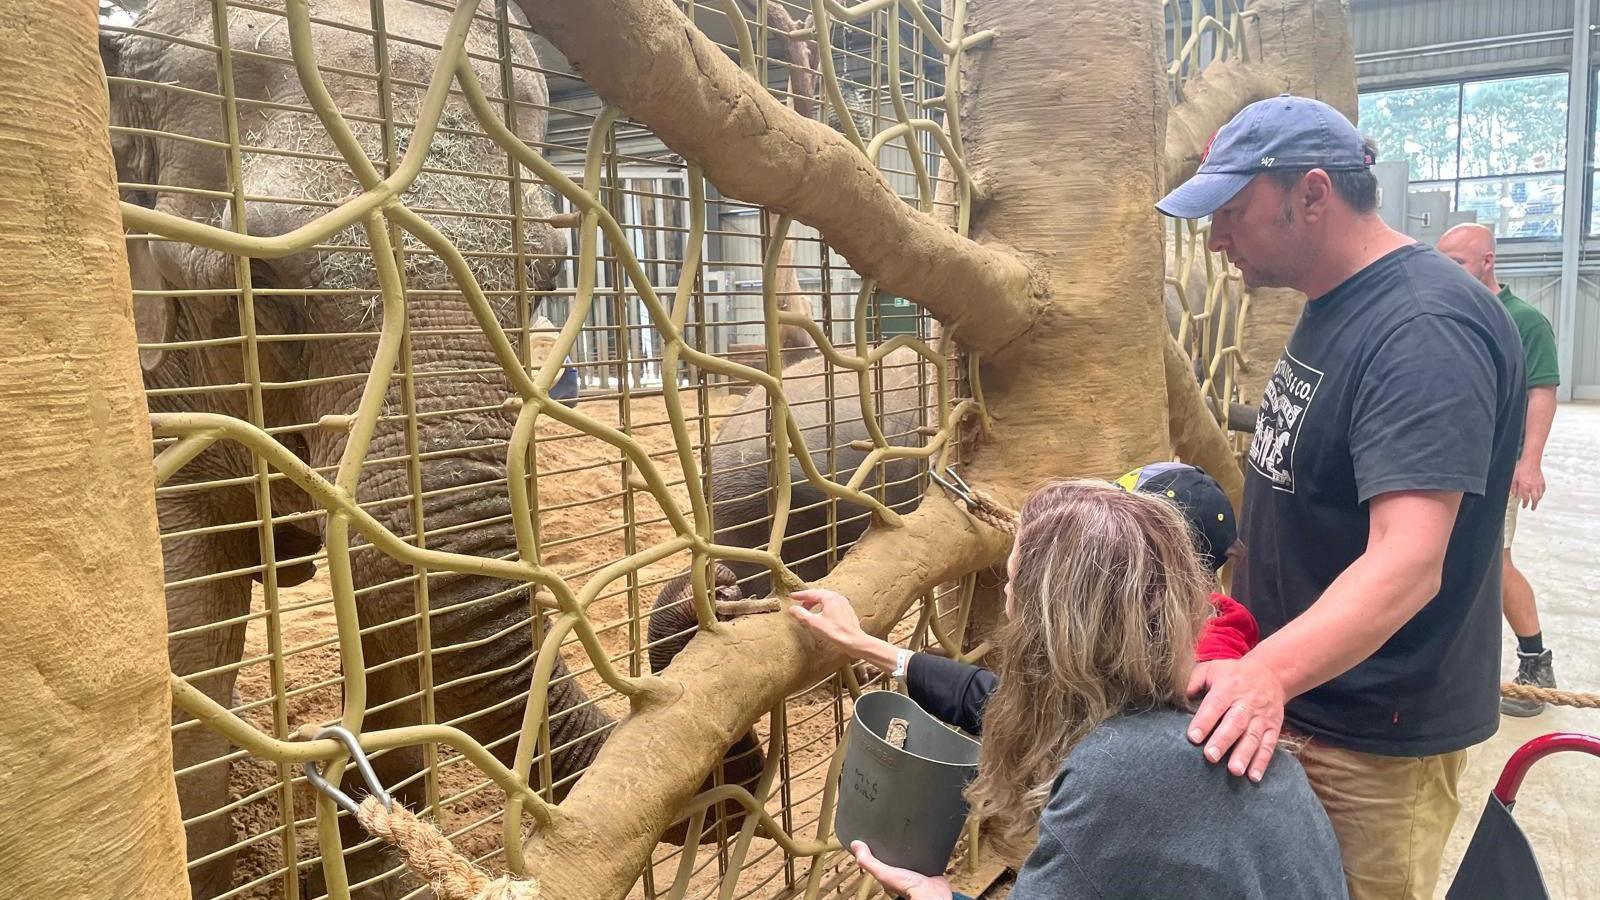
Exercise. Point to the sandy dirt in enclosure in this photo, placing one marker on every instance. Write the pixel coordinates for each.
(578, 540)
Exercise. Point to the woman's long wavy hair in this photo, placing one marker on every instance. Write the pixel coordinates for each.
(1106, 601)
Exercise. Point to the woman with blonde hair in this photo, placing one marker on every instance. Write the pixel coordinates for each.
(1085, 768)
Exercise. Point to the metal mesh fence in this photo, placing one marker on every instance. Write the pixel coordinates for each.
(454, 370)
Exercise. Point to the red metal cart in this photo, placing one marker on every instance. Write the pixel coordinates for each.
(1499, 863)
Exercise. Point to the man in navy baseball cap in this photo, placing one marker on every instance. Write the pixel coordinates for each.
(1277, 142)
(1283, 133)
(1375, 487)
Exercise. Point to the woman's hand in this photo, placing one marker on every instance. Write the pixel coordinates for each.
(828, 615)
(902, 882)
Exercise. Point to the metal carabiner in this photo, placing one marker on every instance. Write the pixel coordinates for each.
(363, 765)
(956, 485)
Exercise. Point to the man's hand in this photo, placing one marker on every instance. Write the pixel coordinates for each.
(1527, 483)
(901, 882)
(1242, 710)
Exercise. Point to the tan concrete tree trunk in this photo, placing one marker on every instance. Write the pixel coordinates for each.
(1064, 117)
(85, 756)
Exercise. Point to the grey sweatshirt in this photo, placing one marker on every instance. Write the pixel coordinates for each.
(1137, 812)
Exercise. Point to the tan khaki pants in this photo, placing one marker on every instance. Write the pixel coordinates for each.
(1391, 815)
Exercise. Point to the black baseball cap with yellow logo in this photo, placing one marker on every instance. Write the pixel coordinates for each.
(1201, 499)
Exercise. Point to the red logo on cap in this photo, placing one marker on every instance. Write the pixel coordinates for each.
(1209, 141)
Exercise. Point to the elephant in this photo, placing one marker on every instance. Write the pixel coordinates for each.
(314, 314)
(741, 465)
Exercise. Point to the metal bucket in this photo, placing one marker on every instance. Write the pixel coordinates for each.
(906, 804)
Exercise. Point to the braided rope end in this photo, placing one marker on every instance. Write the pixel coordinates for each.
(431, 856)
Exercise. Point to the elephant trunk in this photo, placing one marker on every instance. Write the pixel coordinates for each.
(672, 624)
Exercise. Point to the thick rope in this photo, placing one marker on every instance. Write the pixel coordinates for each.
(1550, 695)
(431, 857)
(995, 514)
(991, 512)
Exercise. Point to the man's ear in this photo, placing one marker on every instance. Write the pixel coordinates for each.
(1316, 190)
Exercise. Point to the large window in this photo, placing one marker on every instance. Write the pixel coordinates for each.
(1594, 158)
(1498, 146)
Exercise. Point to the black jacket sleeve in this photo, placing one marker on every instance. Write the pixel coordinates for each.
(950, 691)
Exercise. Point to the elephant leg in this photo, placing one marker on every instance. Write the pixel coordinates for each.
(197, 751)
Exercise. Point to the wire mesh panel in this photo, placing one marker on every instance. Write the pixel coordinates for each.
(473, 401)
(443, 356)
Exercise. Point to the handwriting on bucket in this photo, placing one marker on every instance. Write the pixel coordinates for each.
(864, 786)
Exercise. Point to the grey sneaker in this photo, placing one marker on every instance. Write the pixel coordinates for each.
(1533, 669)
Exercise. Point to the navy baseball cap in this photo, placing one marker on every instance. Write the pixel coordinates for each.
(1285, 132)
(1201, 500)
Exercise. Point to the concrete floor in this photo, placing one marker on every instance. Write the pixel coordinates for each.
(1558, 549)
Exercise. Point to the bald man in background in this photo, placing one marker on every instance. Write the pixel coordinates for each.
(1472, 246)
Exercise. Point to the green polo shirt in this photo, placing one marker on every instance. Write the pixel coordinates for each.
(1538, 339)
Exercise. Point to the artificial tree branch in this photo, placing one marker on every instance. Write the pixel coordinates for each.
(1210, 100)
(798, 55)
(719, 685)
(1196, 436)
(646, 58)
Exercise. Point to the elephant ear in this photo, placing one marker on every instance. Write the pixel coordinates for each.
(154, 319)
(111, 52)
(135, 154)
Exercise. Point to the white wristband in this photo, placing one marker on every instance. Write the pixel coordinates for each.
(902, 659)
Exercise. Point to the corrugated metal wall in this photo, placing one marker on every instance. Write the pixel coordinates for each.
(1586, 348)
(1411, 41)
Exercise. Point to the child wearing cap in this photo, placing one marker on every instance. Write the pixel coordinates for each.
(955, 692)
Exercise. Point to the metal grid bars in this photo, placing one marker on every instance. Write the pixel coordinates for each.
(1206, 302)
(1200, 32)
(353, 226)
(1207, 308)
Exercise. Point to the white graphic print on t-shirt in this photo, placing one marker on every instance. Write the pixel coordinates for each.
(1283, 407)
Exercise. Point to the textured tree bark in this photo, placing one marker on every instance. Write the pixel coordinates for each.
(85, 756)
(1064, 118)
(646, 58)
(1196, 437)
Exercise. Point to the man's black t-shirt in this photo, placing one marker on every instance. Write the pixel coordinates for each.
(1407, 376)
